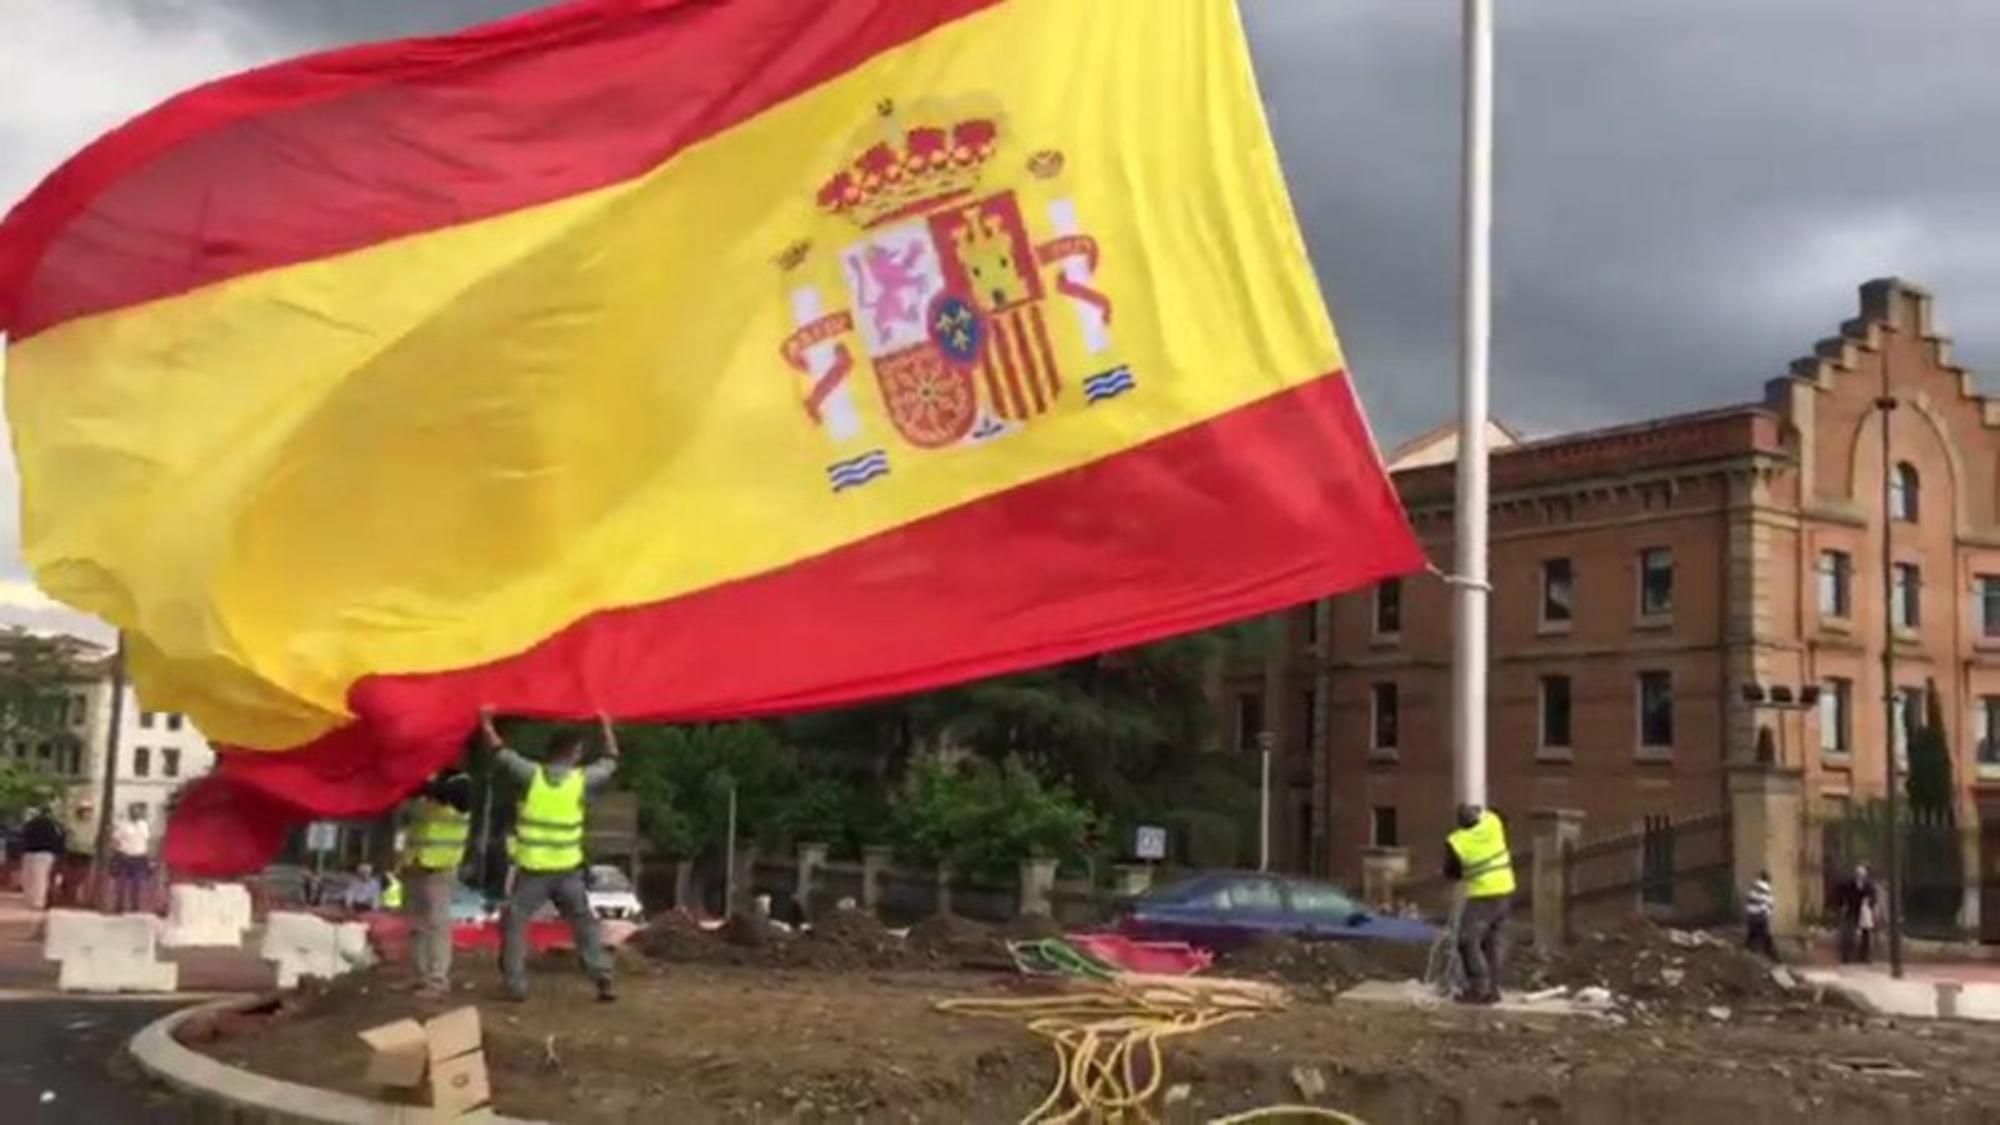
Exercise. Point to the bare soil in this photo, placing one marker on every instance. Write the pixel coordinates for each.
(701, 1042)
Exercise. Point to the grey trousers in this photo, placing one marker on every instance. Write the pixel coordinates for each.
(427, 905)
(1482, 942)
(566, 890)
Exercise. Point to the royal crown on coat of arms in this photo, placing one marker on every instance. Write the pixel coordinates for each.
(968, 321)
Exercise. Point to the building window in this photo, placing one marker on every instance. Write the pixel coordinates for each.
(1558, 592)
(1656, 710)
(146, 719)
(142, 761)
(1383, 827)
(1555, 712)
(1903, 492)
(44, 751)
(170, 762)
(1383, 717)
(73, 759)
(1308, 717)
(174, 720)
(1836, 717)
(1908, 605)
(1836, 584)
(1249, 720)
(1656, 582)
(76, 705)
(1989, 606)
(1389, 608)
(1986, 720)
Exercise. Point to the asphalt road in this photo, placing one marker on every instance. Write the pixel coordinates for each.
(61, 1061)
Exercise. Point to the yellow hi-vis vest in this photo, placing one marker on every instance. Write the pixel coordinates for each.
(436, 841)
(548, 833)
(392, 895)
(1482, 856)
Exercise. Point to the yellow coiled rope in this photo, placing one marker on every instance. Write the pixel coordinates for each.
(1108, 1048)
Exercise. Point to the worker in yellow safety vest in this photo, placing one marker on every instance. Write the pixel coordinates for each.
(437, 823)
(1476, 855)
(548, 851)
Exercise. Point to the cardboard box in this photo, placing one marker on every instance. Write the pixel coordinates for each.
(399, 1053)
(453, 1034)
(459, 1085)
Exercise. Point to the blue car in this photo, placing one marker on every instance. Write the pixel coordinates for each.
(1226, 911)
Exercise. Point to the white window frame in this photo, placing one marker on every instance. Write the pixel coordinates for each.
(1666, 612)
(1554, 749)
(1837, 692)
(1652, 749)
(1843, 608)
(1906, 604)
(1375, 745)
(1375, 629)
(1543, 621)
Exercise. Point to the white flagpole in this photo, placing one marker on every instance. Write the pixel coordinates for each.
(1470, 588)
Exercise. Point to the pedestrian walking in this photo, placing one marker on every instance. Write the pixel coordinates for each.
(1757, 905)
(548, 851)
(1855, 905)
(44, 842)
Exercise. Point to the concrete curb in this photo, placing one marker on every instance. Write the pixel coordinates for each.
(227, 1093)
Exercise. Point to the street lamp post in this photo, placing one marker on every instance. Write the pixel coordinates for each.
(107, 797)
(1885, 404)
(1265, 742)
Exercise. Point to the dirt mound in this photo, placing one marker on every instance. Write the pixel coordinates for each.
(1663, 971)
(675, 936)
(850, 940)
(1031, 927)
(751, 932)
(1276, 957)
(949, 940)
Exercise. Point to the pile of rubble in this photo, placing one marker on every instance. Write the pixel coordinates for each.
(1647, 973)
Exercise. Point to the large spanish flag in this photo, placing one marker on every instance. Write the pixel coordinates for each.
(676, 359)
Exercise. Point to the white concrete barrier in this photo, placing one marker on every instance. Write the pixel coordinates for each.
(65, 931)
(306, 945)
(109, 953)
(206, 916)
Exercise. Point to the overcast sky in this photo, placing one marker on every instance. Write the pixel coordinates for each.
(1689, 190)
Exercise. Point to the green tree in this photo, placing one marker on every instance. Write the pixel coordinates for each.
(982, 818)
(38, 677)
(25, 786)
(1928, 786)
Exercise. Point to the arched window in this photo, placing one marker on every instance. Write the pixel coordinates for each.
(1903, 493)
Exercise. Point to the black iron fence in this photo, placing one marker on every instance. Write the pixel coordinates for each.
(1935, 868)
(1673, 870)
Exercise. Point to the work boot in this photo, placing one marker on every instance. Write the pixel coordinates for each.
(604, 993)
(514, 995)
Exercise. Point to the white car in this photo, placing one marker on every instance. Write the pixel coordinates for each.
(611, 894)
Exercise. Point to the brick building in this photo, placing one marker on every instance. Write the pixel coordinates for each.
(1643, 577)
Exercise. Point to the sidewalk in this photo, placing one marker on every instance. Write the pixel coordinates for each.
(1916, 995)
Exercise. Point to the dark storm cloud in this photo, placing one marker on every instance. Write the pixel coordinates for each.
(1689, 190)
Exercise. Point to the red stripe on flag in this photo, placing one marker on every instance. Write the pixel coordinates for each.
(1017, 402)
(1272, 505)
(1050, 371)
(1031, 361)
(328, 153)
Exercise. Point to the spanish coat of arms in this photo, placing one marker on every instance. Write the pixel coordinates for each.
(973, 323)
